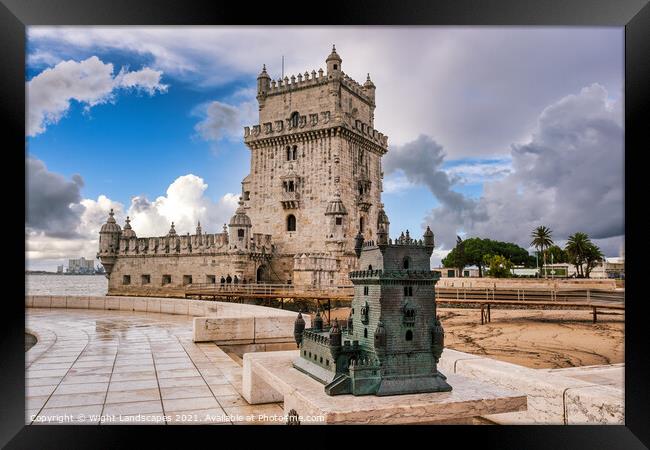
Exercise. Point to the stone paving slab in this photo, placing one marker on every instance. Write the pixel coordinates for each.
(94, 366)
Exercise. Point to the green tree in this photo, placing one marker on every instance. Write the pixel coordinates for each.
(460, 262)
(558, 253)
(592, 257)
(498, 266)
(576, 247)
(473, 252)
(542, 241)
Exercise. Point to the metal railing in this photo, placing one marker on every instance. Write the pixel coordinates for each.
(264, 290)
(539, 295)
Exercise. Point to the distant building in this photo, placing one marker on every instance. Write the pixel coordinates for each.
(609, 268)
(81, 266)
(59, 269)
(450, 272)
(525, 272)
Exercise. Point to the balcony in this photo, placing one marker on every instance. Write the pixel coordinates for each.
(290, 200)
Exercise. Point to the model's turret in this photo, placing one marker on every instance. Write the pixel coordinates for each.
(428, 240)
(298, 328)
(318, 321)
(335, 334)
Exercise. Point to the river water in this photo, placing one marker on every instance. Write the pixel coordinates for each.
(91, 285)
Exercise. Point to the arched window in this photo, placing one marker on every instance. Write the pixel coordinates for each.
(365, 332)
(409, 335)
(288, 153)
(361, 225)
(291, 223)
(295, 118)
(240, 233)
(406, 262)
(294, 154)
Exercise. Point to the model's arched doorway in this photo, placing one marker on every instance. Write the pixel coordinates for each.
(262, 274)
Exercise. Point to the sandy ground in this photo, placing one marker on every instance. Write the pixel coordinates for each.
(533, 338)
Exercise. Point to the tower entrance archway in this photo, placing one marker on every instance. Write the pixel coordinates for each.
(262, 275)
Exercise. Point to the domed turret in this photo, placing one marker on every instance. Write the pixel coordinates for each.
(335, 334)
(172, 231)
(111, 225)
(335, 207)
(333, 63)
(370, 89)
(128, 231)
(428, 239)
(263, 84)
(369, 84)
(317, 323)
(239, 228)
(298, 328)
(240, 218)
(109, 243)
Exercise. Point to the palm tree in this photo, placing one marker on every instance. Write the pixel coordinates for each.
(577, 246)
(593, 255)
(541, 241)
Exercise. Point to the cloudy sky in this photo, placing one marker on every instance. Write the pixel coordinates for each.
(492, 131)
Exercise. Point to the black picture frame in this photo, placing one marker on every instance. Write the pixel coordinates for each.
(634, 15)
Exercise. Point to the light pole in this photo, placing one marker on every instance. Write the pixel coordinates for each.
(552, 268)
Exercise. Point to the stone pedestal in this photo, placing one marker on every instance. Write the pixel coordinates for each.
(270, 377)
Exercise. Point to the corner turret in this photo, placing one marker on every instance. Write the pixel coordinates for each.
(333, 64)
(109, 243)
(370, 89)
(239, 228)
(263, 86)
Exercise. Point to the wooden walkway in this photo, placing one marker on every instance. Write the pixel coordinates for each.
(482, 298)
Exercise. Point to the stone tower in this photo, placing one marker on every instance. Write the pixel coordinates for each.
(393, 339)
(316, 175)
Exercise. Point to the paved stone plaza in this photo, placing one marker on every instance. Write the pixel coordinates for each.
(116, 367)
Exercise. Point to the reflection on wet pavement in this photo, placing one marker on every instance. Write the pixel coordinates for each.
(104, 367)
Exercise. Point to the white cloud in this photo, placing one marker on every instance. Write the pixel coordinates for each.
(475, 89)
(569, 176)
(89, 82)
(479, 171)
(185, 203)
